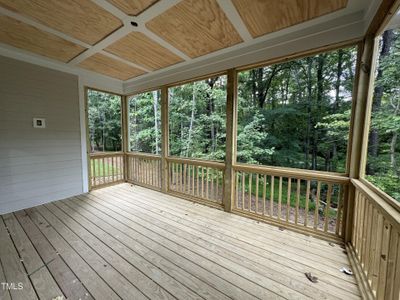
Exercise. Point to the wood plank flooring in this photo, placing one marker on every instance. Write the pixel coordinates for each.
(129, 242)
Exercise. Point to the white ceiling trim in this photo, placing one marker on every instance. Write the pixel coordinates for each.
(44, 28)
(156, 9)
(233, 16)
(124, 61)
(112, 9)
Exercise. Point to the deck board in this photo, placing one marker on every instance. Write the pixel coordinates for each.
(130, 242)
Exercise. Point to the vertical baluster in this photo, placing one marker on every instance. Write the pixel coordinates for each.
(184, 178)
(392, 269)
(243, 188)
(217, 185)
(212, 185)
(316, 212)
(104, 171)
(172, 172)
(307, 201)
(202, 182)
(377, 258)
(193, 176)
(207, 179)
(94, 171)
(271, 202)
(368, 237)
(264, 193)
(339, 209)
(250, 186)
(280, 198)
(197, 181)
(237, 188)
(372, 252)
(257, 181)
(289, 191)
(296, 214)
(382, 277)
(328, 206)
(114, 169)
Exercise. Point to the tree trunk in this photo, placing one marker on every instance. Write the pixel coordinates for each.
(309, 104)
(189, 141)
(393, 162)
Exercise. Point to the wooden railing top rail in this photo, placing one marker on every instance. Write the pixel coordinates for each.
(197, 162)
(143, 155)
(106, 154)
(385, 208)
(294, 173)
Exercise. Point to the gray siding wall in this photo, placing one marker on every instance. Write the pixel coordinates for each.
(38, 165)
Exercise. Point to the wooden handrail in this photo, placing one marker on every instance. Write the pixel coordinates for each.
(197, 162)
(106, 154)
(144, 155)
(294, 173)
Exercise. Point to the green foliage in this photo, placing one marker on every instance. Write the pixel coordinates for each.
(145, 122)
(297, 114)
(383, 162)
(104, 118)
(197, 113)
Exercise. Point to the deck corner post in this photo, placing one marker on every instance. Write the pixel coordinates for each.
(359, 138)
(231, 127)
(164, 139)
(125, 134)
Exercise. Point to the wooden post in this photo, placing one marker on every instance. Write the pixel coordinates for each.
(88, 144)
(164, 139)
(125, 134)
(231, 123)
(363, 83)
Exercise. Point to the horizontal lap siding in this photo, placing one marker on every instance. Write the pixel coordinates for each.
(38, 165)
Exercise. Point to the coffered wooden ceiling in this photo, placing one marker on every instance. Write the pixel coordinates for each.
(124, 39)
(196, 27)
(262, 17)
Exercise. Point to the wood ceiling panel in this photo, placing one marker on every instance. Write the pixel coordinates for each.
(111, 67)
(196, 27)
(81, 19)
(266, 16)
(132, 7)
(139, 49)
(23, 36)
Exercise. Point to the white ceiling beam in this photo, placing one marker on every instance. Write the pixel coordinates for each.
(163, 43)
(156, 9)
(112, 9)
(127, 62)
(233, 16)
(11, 14)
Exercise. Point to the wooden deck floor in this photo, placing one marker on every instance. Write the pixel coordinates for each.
(134, 243)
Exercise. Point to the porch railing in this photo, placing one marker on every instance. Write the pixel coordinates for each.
(304, 200)
(106, 169)
(375, 243)
(196, 179)
(144, 169)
